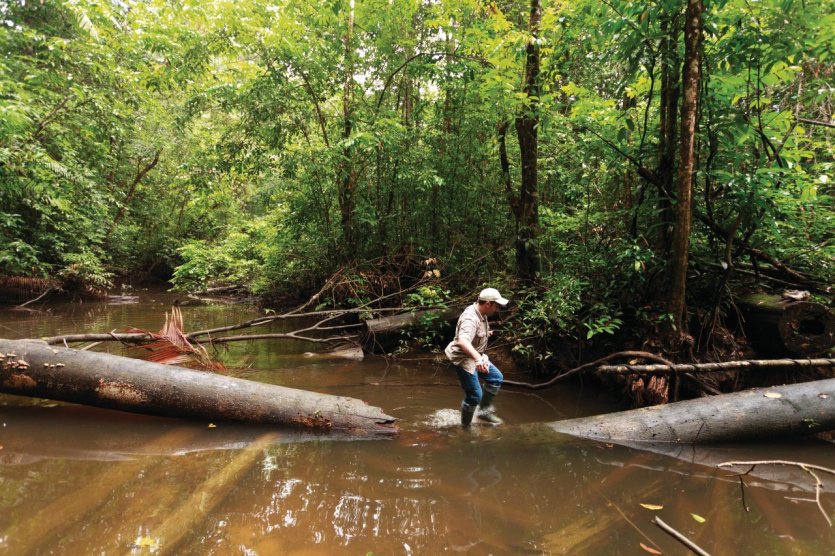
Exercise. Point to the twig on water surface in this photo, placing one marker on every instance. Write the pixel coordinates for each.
(679, 537)
(742, 491)
(807, 467)
(629, 521)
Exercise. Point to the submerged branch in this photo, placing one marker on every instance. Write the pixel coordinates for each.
(679, 537)
(807, 467)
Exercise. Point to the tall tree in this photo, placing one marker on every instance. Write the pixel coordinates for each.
(527, 128)
(691, 84)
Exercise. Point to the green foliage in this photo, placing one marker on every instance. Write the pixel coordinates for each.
(249, 143)
(427, 296)
(237, 259)
(84, 271)
(430, 330)
(544, 313)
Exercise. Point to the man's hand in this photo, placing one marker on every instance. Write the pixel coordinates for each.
(483, 364)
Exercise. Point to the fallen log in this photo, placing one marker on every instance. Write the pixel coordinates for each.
(778, 325)
(33, 368)
(797, 409)
(718, 367)
(384, 332)
(221, 290)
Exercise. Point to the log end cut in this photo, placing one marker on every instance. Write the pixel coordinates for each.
(807, 328)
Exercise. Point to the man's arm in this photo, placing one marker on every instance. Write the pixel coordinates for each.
(481, 361)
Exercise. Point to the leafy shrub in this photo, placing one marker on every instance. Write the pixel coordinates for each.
(84, 272)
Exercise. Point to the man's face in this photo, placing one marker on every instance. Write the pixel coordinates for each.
(492, 308)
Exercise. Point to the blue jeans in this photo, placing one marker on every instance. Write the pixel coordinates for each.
(472, 389)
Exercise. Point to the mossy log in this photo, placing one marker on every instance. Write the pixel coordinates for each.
(793, 410)
(777, 325)
(33, 368)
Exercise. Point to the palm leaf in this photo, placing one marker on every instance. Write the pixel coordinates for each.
(171, 347)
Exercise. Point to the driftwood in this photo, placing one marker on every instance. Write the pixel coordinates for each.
(778, 325)
(797, 409)
(33, 368)
(718, 367)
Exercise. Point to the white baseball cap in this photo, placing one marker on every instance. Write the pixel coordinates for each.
(492, 294)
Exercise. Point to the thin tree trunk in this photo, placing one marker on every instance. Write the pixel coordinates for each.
(132, 190)
(504, 162)
(668, 118)
(687, 167)
(346, 174)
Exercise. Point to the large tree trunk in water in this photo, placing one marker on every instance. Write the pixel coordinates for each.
(797, 409)
(687, 166)
(33, 368)
(527, 251)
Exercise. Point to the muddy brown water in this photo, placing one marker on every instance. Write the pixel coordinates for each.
(80, 480)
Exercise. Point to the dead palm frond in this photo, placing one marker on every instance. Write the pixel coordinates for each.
(171, 347)
(28, 284)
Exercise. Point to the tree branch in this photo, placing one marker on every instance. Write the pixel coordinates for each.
(581, 368)
(815, 122)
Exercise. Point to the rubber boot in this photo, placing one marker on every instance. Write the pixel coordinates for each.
(486, 410)
(467, 412)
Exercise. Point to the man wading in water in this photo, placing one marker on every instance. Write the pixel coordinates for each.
(466, 352)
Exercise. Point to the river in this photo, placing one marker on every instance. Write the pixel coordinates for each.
(81, 480)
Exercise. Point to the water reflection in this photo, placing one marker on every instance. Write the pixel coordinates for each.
(78, 480)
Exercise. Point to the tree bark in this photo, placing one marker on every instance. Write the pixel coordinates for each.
(33, 368)
(504, 163)
(527, 123)
(794, 410)
(687, 166)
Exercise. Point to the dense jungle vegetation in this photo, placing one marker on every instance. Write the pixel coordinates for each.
(621, 169)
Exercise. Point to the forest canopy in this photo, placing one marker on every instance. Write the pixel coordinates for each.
(583, 153)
